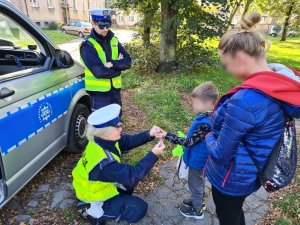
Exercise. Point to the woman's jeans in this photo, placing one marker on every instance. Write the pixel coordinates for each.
(229, 209)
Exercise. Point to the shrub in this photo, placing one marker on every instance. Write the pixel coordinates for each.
(52, 26)
(144, 58)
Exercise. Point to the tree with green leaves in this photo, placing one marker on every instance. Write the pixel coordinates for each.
(146, 8)
(284, 10)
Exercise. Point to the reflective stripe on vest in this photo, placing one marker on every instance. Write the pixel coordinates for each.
(103, 85)
(91, 191)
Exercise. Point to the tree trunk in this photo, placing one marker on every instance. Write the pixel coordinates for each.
(147, 27)
(233, 11)
(287, 20)
(247, 5)
(168, 37)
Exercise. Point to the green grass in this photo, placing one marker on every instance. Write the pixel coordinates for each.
(285, 52)
(58, 37)
(290, 205)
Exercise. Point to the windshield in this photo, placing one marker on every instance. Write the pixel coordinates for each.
(13, 36)
(87, 24)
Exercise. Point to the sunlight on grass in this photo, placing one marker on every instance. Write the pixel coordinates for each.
(287, 52)
(58, 37)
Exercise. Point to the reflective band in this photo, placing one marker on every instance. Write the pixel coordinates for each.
(103, 85)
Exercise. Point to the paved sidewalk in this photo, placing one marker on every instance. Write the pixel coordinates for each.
(163, 203)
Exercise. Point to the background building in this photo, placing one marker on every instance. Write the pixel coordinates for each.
(65, 11)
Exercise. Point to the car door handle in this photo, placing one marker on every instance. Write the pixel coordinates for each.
(5, 92)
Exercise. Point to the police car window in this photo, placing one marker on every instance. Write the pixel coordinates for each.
(78, 24)
(14, 36)
(18, 49)
(72, 24)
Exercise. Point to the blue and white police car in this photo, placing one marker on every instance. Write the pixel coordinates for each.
(43, 104)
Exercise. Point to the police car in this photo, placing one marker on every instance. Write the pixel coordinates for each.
(43, 104)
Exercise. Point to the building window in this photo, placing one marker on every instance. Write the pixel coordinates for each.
(120, 18)
(264, 19)
(131, 18)
(83, 6)
(235, 19)
(46, 24)
(38, 23)
(50, 4)
(107, 4)
(74, 5)
(34, 3)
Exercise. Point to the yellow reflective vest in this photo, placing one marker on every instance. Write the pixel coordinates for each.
(93, 83)
(91, 191)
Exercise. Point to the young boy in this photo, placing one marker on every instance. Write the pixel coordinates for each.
(195, 153)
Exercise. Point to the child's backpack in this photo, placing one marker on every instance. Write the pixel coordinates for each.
(281, 166)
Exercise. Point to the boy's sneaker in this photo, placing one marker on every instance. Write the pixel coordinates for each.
(189, 203)
(191, 212)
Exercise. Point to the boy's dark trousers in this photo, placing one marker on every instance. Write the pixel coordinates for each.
(196, 182)
(229, 209)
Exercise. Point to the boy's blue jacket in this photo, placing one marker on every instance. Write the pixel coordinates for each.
(247, 120)
(195, 156)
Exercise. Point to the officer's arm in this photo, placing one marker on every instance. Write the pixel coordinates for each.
(122, 64)
(91, 59)
(128, 142)
(124, 174)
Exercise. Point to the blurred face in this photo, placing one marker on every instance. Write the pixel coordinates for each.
(238, 65)
(115, 135)
(102, 32)
(201, 105)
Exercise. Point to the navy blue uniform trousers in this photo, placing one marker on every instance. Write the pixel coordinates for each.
(102, 99)
(123, 207)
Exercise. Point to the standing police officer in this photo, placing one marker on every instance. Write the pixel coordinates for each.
(104, 59)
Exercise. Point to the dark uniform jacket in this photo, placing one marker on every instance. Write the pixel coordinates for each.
(121, 173)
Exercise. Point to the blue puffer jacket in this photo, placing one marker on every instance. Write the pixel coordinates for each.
(196, 155)
(246, 121)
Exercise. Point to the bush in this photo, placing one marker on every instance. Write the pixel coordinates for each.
(52, 26)
(144, 58)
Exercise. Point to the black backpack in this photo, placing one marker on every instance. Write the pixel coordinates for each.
(282, 163)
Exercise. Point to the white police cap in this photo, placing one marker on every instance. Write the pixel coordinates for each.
(100, 13)
(106, 116)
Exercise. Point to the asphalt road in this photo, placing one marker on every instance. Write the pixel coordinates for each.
(72, 47)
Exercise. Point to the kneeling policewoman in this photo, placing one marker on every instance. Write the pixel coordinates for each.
(103, 184)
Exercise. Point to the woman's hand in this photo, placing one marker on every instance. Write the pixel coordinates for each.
(159, 148)
(157, 132)
(154, 131)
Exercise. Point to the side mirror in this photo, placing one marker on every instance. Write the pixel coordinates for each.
(63, 59)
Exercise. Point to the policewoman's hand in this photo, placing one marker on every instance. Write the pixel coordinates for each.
(154, 131)
(159, 148)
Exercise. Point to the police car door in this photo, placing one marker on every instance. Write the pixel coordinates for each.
(34, 98)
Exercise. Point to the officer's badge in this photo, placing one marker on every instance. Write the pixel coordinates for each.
(105, 12)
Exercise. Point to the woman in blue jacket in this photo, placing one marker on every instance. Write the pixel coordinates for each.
(246, 119)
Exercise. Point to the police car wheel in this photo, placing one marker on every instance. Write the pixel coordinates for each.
(77, 140)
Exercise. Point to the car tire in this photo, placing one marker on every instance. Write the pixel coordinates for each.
(77, 140)
(274, 35)
(81, 35)
(63, 31)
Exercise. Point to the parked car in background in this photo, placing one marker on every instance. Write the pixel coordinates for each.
(78, 28)
(43, 103)
(277, 30)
